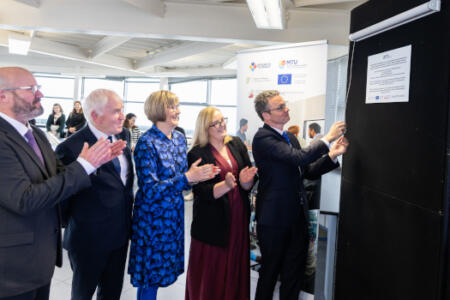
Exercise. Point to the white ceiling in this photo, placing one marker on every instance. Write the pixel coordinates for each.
(157, 37)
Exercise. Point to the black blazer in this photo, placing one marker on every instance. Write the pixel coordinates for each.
(98, 217)
(211, 217)
(281, 195)
(30, 235)
(61, 122)
(75, 120)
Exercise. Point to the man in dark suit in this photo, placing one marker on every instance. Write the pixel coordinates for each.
(33, 183)
(99, 217)
(281, 207)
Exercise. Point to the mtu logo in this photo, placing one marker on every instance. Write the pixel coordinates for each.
(287, 63)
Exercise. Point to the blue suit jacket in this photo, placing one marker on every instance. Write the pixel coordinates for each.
(98, 217)
(281, 197)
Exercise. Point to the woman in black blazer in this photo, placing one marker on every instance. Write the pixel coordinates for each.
(56, 121)
(219, 255)
(76, 119)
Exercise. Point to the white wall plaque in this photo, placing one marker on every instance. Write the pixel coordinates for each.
(388, 76)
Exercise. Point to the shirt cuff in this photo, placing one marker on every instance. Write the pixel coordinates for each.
(326, 142)
(86, 165)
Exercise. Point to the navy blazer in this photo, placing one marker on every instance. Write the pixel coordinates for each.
(98, 217)
(281, 197)
(30, 193)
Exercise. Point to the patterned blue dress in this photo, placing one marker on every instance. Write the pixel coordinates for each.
(157, 240)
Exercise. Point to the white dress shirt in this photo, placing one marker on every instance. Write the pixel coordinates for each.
(122, 159)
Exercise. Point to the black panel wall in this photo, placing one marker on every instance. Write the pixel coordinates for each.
(393, 214)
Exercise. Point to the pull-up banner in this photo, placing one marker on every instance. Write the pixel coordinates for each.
(298, 71)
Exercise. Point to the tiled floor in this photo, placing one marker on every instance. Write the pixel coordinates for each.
(61, 283)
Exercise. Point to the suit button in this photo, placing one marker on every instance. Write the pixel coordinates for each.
(56, 230)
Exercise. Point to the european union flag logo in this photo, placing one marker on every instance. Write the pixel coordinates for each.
(284, 78)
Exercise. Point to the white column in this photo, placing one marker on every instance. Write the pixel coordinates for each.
(164, 83)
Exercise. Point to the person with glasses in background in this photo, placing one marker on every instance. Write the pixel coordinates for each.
(76, 119)
(56, 121)
(281, 206)
(33, 184)
(157, 240)
(219, 253)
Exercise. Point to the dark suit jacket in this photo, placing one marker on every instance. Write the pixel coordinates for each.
(30, 238)
(211, 217)
(281, 168)
(98, 217)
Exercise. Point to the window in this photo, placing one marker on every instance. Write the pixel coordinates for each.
(139, 91)
(56, 87)
(191, 91)
(137, 108)
(91, 84)
(224, 92)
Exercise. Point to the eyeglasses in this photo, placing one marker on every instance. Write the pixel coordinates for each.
(219, 123)
(31, 88)
(173, 107)
(281, 107)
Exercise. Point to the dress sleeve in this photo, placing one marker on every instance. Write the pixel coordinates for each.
(146, 159)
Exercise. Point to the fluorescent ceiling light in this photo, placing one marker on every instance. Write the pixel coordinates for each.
(397, 20)
(18, 43)
(267, 14)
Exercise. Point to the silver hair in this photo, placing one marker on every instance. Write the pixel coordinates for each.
(262, 99)
(96, 101)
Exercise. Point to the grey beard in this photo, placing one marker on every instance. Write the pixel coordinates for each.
(25, 110)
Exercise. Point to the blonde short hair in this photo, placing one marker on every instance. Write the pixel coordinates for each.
(204, 119)
(155, 106)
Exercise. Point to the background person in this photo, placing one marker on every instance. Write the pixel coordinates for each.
(33, 183)
(157, 242)
(219, 253)
(56, 121)
(243, 126)
(76, 119)
(130, 124)
(99, 217)
(281, 206)
(295, 130)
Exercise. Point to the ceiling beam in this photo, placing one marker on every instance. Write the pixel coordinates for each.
(231, 23)
(60, 50)
(34, 3)
(154, 7)
(106, 44)
(302, 3)
(184, 50)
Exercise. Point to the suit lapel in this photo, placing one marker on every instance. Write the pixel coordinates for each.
(46, 153)
(14, 136)
(90, 138)
(275, 133)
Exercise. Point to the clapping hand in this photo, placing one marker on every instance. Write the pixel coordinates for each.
(247, 174)
(201, 173)
(338, 148)
(102, 151)
(230, 180)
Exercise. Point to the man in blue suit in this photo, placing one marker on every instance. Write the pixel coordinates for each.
(99, 217)
(33, 185)
(281, 206)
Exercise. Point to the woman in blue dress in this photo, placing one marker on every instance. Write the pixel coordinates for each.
(157, 240)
